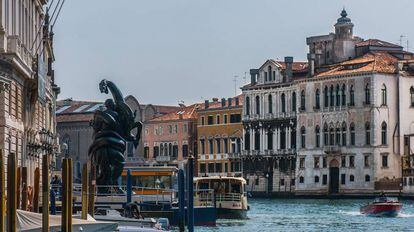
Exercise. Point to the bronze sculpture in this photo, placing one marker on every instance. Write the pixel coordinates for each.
(112, 128)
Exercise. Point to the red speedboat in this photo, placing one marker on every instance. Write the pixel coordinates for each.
(382, 207)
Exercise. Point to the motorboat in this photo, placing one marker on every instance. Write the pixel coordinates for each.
(382, 207)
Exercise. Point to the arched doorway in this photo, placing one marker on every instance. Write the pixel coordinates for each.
(334, 176)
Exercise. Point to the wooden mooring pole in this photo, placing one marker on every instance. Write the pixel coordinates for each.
(66, 222)
(85, 192)
(92, 189)
(36, 190)
(11, 192)
(24, 189)
(19, 180)
(2, 194)
(45, 193)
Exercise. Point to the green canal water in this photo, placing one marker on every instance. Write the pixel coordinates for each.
(313, 215)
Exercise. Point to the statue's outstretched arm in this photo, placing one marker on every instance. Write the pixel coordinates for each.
(116, 93)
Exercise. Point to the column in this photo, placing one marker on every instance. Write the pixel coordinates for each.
(278, 138)
(265, 132)
(287, 137)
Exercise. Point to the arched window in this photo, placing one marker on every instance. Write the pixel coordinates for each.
(351, 96)
(282, 138)
(293, 138)
(301, 179)
(384, 95)
(303, 137)
(367, 95)
(317, 99)
(367, 178)
(283, 103)
(257, 105)
(302, 100)
(269, 70)
(351, 178)
(247, 105)
(316, 179)
(384, 133)
(367, 133)
(338, 96)
(170, 150)
(257, 140)
(343, 95)
(270, 103)
(325, 135)
(247, 140)
(343, 134)
(412, 96)
(294, 102)
(162, 149)
(352, 133)
(331, 135)
(325, 97)
(332, 96)
(317, 136)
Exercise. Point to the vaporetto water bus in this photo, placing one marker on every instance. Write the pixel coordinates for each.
(228, 194)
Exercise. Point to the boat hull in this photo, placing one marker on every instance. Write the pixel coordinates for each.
(225, 213)
(382, 209)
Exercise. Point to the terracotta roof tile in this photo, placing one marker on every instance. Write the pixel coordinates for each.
(188, 112)
(217, 105)
(380, 62)
(376, 42)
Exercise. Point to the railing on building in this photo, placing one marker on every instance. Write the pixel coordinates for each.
(332, 149)
(163, 158)
(278, 152)
(269, 116)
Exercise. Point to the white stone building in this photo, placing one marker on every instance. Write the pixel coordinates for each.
(354, 111)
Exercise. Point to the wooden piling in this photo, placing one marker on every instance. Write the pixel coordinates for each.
(66, 195)
(45, 193)
(92, 189)
(2, 194)
(19, 180)
(85, 192)
(11, 192)
(36, 190)
(24, 189)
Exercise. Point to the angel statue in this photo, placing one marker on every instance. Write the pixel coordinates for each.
(112, 128)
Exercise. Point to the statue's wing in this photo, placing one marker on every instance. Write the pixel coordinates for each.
(116, 93)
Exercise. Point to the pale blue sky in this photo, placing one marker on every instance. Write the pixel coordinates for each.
(165, 51)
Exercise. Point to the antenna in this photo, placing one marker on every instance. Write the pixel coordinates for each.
(401, 39)
(235, 84)
(408, 45)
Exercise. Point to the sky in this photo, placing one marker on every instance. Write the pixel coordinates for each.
(168, 51)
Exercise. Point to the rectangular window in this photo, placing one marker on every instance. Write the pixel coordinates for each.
(226, 167)
(324, 179)
(385, 161)
(202, 168)
(210, 120)
(351, 161)
(185, 128)
(219, 168)
(343, 177)
(324, 162)
(256, 181)
(366, 161)
(316, 162)
(282, 182)
(235, 118)
(302, 163)
(218, 146)
(343, 161)
(218, 119)
(211, 167)
(210, 146)
(225, 119)
(202, 121)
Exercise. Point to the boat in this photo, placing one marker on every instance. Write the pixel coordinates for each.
(228, 195)
(111, 215)
(382, 207)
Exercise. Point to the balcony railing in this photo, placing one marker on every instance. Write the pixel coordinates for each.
(14, 45)
(269, 116)
(278, 152)
(332, 149)
(163, 158)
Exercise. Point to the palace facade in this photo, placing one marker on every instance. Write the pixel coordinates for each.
(340, 126)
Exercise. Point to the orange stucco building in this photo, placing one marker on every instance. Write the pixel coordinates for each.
(219, 131)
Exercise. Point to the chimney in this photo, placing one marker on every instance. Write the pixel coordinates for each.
(288, 69)
(311, 64)
(229, 101)
(253, 76)
(237, 101)
(223, 102)
(206, 103)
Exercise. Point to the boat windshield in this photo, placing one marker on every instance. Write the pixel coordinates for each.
(385, 199)
(221, 186)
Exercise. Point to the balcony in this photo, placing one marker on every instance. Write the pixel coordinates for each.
(332, 149)
(163, 159)
(14, 45)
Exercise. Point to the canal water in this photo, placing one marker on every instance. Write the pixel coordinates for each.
(313, 215)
